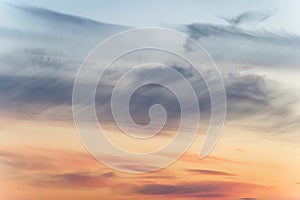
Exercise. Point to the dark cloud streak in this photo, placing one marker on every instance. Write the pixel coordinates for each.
(205, 189)
(247, 17)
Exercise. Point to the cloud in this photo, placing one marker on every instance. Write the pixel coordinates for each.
(21, 161)
(249, 96)
(235, 45)
(161, 189)
(62, 18)
(246, 198)
(45, 43)
(39, 64)
(223, 160)
(36, 80)
(39, 58)
(28, 96)
(210, 196)
(203, 189)
(75, 180)
(50, 97)
(57, 24)
(51, 168)
(210, 172)
(44, 160)
(52, 34)
(247, 17)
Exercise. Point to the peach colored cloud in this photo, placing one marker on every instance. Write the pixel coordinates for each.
(210, 172)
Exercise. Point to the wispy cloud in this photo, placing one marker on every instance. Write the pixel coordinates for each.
(235, 45)
(75, 180)
(247, 198)
(247, 17)
(24, 159)
(37, 79)
(49, 97)
(62, 24)
(210, 172)
(203, 189)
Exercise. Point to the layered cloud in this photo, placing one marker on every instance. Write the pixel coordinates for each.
(237, 46)
(69, 170)
(75, 180)
(41, 51)
(38, 69)
(209, 189)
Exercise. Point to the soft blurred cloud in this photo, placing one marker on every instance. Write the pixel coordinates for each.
(238, 46)
(40, 53)
(210, 172)
(209, 189)
(248, 17)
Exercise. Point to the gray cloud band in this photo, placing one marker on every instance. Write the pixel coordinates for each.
(137, 49)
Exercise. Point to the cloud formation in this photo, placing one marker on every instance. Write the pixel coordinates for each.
(237, 46)
(247, 17)
(37, 80)
(210, 189)
(210, 172)
(50, 97)
(247, 198)
(75, 180)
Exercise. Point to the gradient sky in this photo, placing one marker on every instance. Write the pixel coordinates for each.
(168, 12)
(256, 45)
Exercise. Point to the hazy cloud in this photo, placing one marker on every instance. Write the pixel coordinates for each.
(46, 160)
(209, 189)
(248, 95)
(246, 198)
(235, 45)
(37, 79)
(210, 172)
(20, 161)
(247, 17)
(75, 180)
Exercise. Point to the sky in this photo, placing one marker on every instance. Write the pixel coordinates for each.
(44, 154)
(166, 13)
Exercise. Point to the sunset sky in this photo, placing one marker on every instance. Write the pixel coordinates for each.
(256, 46)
